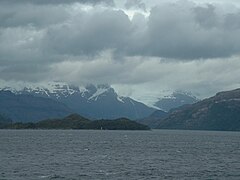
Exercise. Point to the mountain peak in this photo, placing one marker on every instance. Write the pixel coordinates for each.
(92, 101)
(176, 99)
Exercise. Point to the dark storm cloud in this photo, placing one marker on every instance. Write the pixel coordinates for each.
(32, 15)
(27, 72)
(90, 33)
(109, 2)
(15, 13)
(179, 31)
(189, 32)
(34, 37)
(206, 16)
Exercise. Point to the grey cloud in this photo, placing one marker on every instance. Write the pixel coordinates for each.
(29, 72)
(39, 13)
(32, 15)
(31, 42)
(109, 2)
(206, 16)
(175, 31)
(202, 78)
(182, 32)
(135, 4)
(231, 21)
(153, 75)
(90, 33)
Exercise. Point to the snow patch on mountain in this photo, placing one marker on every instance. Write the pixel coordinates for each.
(48, 89)
(176, 99)
(120, 99)
(92, 101)
(99, 92)
(58, 89)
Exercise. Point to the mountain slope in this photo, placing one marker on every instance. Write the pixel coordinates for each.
(153, 120)
(4, 121)
(94, 102)
(27, 108)
(220, 112)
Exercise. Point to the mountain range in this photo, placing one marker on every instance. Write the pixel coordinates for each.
(94, 102)
(220, 112)
(34, 102)
(27, 102)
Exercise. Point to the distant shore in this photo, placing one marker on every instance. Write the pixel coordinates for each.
(76, 121)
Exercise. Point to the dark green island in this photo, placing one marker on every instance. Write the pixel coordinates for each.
(76, 121)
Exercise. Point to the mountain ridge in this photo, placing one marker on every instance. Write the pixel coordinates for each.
(154, 118)
(92, 101)
(220, 112)
(75, 121)
(28, 108)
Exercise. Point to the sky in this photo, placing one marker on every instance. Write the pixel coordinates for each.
(142, 48)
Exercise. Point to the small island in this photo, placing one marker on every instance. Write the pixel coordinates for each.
(75, 121)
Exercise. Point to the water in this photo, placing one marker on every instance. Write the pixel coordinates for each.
(87, 154)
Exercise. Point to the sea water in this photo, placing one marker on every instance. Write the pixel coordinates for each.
(90, 154)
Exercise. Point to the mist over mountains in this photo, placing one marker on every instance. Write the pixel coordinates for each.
(91, 101)
(174, 100)
(95, 102)
(179, 110)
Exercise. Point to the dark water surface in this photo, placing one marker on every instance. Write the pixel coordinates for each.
(88, 154)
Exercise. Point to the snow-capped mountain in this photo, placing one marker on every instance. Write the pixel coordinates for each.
(174, 100)
(100, 101)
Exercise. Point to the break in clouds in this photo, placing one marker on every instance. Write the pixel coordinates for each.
(136, 46)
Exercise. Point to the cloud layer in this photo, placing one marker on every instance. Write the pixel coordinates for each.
(128, 44)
